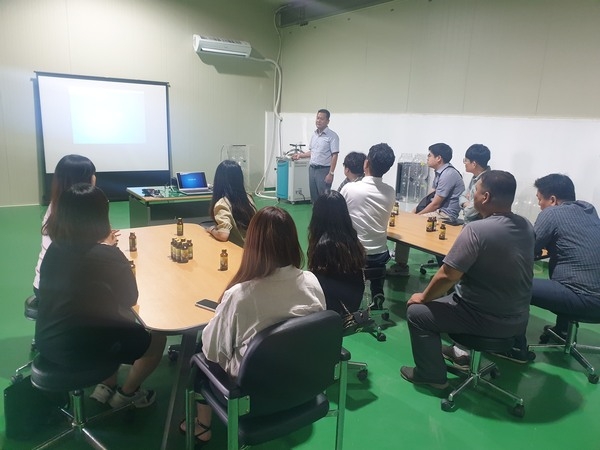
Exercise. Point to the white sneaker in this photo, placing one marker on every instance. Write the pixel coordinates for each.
(140, 398)
(102, 393)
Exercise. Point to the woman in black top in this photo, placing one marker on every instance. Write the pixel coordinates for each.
(335, 255)
(88, 290)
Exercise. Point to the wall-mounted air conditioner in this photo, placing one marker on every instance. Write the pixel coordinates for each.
(216, 45)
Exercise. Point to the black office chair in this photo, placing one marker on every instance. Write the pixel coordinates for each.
(281, 382)
(569, 346)
(30, 312)
(475, 375)
(48, 376)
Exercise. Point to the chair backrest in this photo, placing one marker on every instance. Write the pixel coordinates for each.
(290, 363)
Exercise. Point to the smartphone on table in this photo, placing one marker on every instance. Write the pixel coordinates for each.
(205, 303)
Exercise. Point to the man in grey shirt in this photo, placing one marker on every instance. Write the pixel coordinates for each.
(323, 153)
(492, 264)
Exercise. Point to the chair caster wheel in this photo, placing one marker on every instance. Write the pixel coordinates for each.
(518, 411)
(423, 271)
(381, 337)
(494, 373)
(385, 316)
(362, 374)
(173, 355)
(544, 338)
(448, 406)
(593, 378)
(16, 378)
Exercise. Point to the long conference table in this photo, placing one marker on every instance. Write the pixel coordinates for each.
(168, 292)
(410, 229)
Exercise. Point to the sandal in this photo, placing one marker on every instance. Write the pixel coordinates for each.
(199, 442)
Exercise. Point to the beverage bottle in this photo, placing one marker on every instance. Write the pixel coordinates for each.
(179, 226)
(132, 242)
(224, 260)
(393, 220)
(190, 249)
(429, 226)
(184, 251)
(442, 231)
(178, 251)
(174, 249)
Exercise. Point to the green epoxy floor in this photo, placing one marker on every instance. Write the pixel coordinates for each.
(383, 412)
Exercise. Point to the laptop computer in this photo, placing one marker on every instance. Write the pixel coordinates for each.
(190, 183)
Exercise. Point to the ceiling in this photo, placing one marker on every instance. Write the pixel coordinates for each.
(300, 12)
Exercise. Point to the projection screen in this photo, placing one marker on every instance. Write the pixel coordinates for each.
(121, 125)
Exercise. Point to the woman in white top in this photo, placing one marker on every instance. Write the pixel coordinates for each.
(268, 288)
(231, 208)
(70, 170)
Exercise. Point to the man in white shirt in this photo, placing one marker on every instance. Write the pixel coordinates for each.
(323, 153)
(370, 203)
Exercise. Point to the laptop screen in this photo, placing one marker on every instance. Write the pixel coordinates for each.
(191, 180)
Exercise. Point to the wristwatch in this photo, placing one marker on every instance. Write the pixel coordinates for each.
(331, 173)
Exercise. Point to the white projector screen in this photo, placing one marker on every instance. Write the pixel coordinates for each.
(120, 125)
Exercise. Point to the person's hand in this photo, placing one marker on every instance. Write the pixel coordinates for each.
(296, 156)
(329, 179)
(417, 297)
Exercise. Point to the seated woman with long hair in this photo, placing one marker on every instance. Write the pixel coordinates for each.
(269, 287)
(335, 255)
(70, 170)
(88, 290)
(231, 208)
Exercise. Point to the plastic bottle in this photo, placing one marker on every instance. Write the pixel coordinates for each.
(224, 260)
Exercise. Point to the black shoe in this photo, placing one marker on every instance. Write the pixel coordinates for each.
(517, 355)
(409, 374)
(378, 300)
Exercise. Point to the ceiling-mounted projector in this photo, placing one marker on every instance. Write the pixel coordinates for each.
(215, 45)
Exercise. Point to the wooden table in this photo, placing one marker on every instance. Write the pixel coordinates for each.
(168, 292)
(147, 210)
(410, 229)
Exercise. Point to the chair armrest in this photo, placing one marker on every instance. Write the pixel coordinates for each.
(345, 355)
(215, 374)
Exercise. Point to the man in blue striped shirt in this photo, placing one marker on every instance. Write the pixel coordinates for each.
(569, 230)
